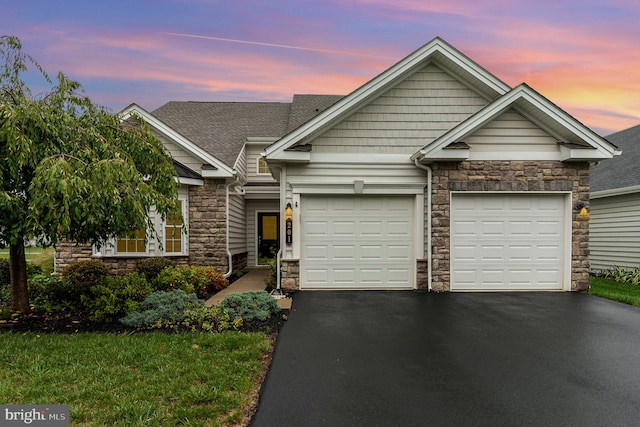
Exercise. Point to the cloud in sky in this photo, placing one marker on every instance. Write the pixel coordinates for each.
(580, 54)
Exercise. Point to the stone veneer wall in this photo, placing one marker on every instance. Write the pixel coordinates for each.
(496, 176)
(207, 224)
(207, 236)
(290, 274)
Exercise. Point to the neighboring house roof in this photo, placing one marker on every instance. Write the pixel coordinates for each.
(620, 171)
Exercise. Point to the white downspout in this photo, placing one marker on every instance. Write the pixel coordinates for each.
(229, 255)
(429, 250)
(283, 198)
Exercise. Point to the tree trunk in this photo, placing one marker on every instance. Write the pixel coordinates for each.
(18, 274)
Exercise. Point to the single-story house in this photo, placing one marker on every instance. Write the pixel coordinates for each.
(434, 175)
(615, 205)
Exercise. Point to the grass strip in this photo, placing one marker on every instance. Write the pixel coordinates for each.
(616, 291)
(142, 379)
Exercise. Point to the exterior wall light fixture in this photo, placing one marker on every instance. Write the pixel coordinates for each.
(584, 214)
(288, 220)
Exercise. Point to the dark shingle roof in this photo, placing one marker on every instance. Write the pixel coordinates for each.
(623, 170)
(221, 128)
(185, 172)
(305, 107)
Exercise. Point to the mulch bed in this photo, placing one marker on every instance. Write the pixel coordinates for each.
(77, 321)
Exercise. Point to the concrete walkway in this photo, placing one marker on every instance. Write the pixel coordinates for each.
(254, 280)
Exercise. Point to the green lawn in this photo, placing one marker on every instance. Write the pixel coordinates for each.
(40, 256)
(610, 289)
(137, 379)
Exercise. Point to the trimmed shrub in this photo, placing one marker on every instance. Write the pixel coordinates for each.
(78, 279)
(117, 297)
(150, 268)
(162, 309)
(210, 319)
(201, 280)
(251, 305)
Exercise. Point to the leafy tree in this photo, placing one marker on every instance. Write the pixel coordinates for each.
(69, 169)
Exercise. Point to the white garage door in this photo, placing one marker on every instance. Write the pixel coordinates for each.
(507, 242)
(357, 242)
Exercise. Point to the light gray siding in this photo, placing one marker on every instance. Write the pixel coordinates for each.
(511, 132)
(253, 207)
(237, 224)
(614, 233)
(180, 155)
(405, 118)
(253, 153)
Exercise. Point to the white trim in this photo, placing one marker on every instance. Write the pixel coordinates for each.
(222, 170)
(258, 166)
(183, 237)
(615, 192)
(379, 84)
(603, 149)
(568, 232)
(190, 181)
(257, 235)
(349, 188)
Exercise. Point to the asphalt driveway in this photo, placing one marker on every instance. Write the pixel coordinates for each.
(414, 359)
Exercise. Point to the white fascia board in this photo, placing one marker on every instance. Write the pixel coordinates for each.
(499, 106)
(190, 181)
(582, 154)
(378, 84)
(359, 158)
(191, 148)
(290, 156)
(615, 192)
(567, 121)
(257, 140)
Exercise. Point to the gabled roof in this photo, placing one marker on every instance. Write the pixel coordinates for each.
(436, 51)
(576, 141)
(220, 168)
(620, 171)
(221, 128)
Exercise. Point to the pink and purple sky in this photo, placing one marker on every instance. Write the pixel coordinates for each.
(584, 55)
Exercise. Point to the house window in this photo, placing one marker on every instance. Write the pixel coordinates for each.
(173, 236)
(132, 243)
(263, 167)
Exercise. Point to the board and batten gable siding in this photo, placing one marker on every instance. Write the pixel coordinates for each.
(614, 231)
(180, 155)
(511, 132)
(406, 118)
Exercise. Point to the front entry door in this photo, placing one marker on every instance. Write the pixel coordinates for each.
(268, 236)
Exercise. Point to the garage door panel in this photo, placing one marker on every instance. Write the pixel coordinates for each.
(368, 242)
(517, 241)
